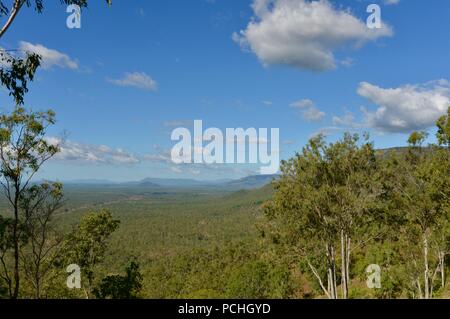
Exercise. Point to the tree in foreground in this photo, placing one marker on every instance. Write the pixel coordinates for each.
(324, 200)
(39, 205)
(86, 245)
(423, 196)
(23, 150)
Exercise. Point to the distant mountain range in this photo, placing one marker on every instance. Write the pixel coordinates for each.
(249, 182)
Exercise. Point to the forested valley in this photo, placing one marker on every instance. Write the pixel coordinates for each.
(342, 220)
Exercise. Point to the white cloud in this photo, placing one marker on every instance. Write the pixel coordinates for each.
(308, 109)
(78, 153)
(136, 79)
(50, 57)
(303, 34)
(346, 120)
(93, 154)
(406, 108)
(302, 104)
(313, 114)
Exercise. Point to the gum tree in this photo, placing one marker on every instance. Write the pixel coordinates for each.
(324, 201)
(87, 244)
(39, 204)
(23, 150)
(423, 187)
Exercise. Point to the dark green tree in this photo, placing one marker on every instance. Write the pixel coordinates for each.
(86, 245)
(121, 287)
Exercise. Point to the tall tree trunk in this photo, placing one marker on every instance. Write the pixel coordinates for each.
(331, 270)
(345, 264)
(38, 285)
(348, 262)
(16, 274)
(333, 267)
(316, 273)
(344, 284)
(442, 267)
(426, 266)
(330, 283)
(419, 288)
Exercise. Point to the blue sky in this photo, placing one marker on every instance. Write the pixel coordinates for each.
(138, 69)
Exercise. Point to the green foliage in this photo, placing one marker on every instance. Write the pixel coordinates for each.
(27, 239)
(326, 195)
(87, 244)
(23, 145)
(416, 139)
(258, 280)
(38, 204)
(121, 287)
(443, 133)
(15, 73)
(23, 150)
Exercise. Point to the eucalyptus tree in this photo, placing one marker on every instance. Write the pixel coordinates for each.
(39, 204)
(23, 150)
(86, 245)
(325, 199)
(423, 187)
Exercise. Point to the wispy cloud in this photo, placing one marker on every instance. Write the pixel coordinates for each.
(50, 58)
(139, 80)
(92, 154)
(308, 109)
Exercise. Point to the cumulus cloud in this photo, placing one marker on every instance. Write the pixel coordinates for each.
(303, 34)
(406, 108)
(93, 154)
(139, 80)
(50, 57)
(308, 109)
